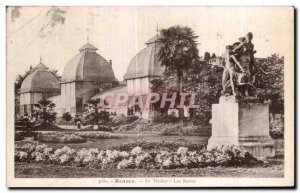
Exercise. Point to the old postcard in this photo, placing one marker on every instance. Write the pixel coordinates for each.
(150, 96)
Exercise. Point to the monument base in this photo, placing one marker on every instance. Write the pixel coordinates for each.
(242, 124)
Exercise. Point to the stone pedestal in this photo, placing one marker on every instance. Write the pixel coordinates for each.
(243, 124)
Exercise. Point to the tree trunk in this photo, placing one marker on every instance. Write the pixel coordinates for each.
(44, 115)
(180, 110)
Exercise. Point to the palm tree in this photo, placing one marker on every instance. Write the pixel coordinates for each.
(178, 52)
(45, 110)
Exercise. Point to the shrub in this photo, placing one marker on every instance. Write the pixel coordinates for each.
(67, 117)
(186, 129)
(19, 136)
(104, 128)
(171, 129)
(165, 119)
(121, 120)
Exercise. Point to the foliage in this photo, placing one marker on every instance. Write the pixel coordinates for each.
(122, 120)
(45, 110)
(179, 49)
(201, 80)
(206, 56)
(178, 52)
(136, 158)
(19, 136)
(271, 84)
(92, 114)
(67, 116)
(205, 81)
(161, 145)
(185, 130)
(165, 119)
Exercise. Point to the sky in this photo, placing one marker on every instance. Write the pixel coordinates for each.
(56, 33)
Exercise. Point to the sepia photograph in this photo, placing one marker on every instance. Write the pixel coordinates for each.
(128, 96)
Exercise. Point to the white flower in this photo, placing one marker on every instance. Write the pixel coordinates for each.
(40, 148)
(184, 160)
(64, 158)
(141, 158)
(136, 150)
(21, 155)
(124, 154)
(125, 163)
(81, 154)
(182, 150)
(28, 147)
(167, 162)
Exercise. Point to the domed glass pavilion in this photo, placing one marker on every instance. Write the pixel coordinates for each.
(143, 68)
(82, 78)
(39, 84)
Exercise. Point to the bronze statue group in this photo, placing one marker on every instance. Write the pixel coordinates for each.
(240, 68)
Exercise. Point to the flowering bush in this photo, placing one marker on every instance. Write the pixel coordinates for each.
(137, 158)
(63, 155)
(136, 151)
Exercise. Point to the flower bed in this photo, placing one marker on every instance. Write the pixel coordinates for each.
(74, 137)
(136, 158)
(58, 137)
(98, 135)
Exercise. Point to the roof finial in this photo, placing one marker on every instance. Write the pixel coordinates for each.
(87, 34)
(40, 59)
(157, 28)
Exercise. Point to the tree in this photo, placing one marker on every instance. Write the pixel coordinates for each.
(206, 56)
(91, 111)
(45, 110)
(67, 117)
(271, 84)
(20, 79)
(201, 80)
(178, 52)
(206, 83)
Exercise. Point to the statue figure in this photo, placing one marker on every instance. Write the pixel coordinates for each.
(240, 68)
(229, 73)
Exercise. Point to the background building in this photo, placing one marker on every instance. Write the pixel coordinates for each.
(39, 84)
(143, 68)
(84, 76)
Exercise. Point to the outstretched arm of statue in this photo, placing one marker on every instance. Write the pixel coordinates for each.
(238, 47)
(237, 62)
